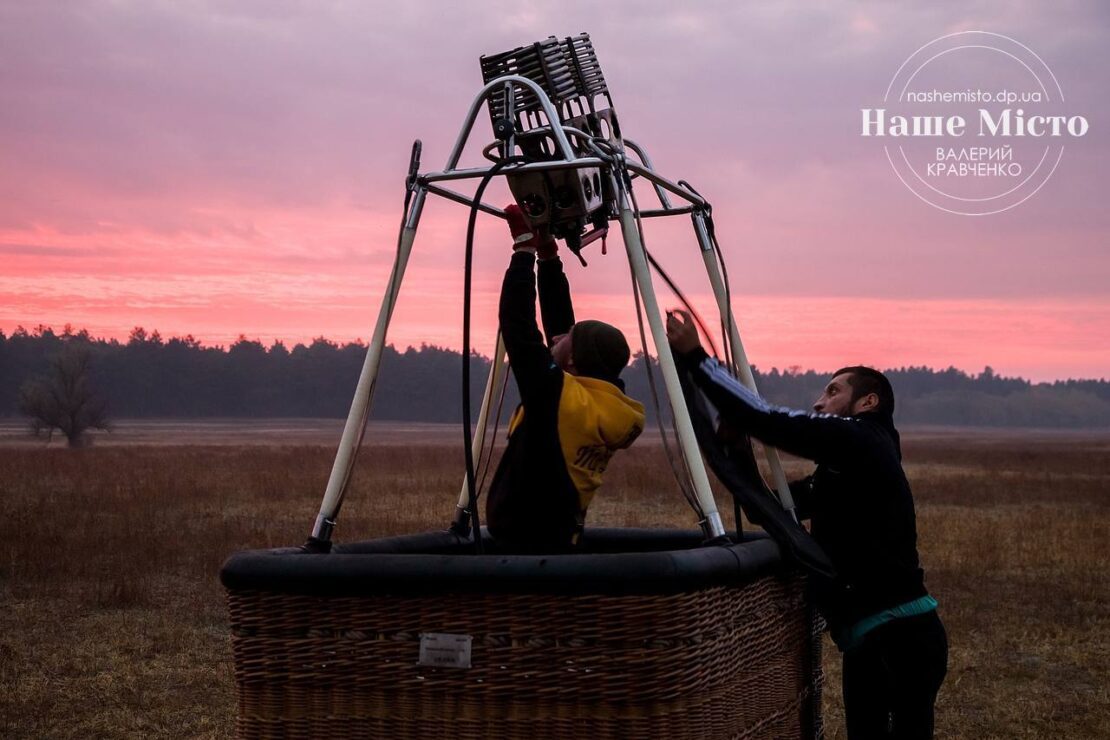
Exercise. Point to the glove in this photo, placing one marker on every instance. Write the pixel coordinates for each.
(528, 236)
(548, 247)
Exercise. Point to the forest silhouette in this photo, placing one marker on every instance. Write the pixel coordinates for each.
(149, 376)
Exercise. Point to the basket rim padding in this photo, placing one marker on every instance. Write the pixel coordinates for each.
(616, 561)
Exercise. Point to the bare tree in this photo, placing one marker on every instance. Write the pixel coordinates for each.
(65, 400)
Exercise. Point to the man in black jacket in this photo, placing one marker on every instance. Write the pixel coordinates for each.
(574, 414)
(861, 511)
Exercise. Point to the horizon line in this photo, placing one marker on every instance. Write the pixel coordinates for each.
(68, 332)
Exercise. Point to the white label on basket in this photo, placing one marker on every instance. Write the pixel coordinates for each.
(444, 651)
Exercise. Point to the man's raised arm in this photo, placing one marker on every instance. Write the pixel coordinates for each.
(556, 308)
(529, 357)
(820, 437)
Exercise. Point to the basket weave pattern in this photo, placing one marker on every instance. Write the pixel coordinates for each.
(723, 662)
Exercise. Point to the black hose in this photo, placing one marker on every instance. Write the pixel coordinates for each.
(468, 269)
(683, 300)
(726, 317)
(488, 453)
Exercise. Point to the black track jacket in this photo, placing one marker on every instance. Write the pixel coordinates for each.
(567, 428)
(858, 498)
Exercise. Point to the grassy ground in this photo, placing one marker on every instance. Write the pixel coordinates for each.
(113, 622)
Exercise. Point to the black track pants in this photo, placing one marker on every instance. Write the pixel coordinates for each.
(891, 680)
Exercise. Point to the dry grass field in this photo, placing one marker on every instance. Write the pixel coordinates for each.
(113, 620)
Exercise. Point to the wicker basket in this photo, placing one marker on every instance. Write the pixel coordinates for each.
(645, 636)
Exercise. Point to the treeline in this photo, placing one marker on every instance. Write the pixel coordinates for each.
(150, 376)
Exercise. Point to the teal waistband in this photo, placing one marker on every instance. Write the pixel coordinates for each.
(852, 636)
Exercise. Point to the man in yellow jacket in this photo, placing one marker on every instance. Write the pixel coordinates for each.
(573, 415)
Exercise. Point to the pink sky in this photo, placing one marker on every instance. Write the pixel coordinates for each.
(225, 169)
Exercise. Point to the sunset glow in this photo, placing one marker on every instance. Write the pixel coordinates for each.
(215, 172)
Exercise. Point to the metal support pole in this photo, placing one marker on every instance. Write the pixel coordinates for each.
(461, 523)
(475, 173)
(712, 525)
(364, 391)
(464, 200)
(548, 110)
(739, 357)
(655, 179)
(658, 212)
(664, 200)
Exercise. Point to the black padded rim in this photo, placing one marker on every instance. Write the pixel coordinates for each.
(612, 562)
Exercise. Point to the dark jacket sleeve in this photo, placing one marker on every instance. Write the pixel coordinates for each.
(820, 437)
(801, 491)
(556, 309)
(533, 367)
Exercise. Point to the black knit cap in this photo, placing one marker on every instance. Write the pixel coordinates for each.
(599, 350)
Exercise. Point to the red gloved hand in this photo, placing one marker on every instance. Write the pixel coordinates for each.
(526, 235)
(548, 247)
